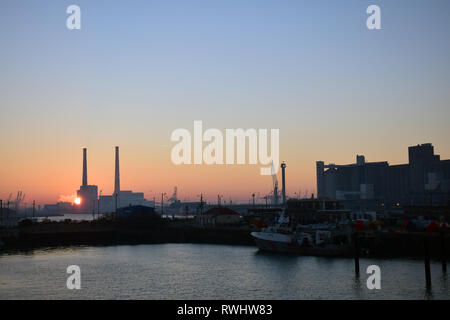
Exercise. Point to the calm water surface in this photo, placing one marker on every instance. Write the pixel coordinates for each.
(199, 271)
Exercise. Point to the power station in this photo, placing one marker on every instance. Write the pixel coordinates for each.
(88, 194)
(91, 202)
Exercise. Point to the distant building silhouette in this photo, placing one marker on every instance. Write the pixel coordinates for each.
(125, 198)
(87, 193)
(136, 212)
(369, 185)
(218, 216)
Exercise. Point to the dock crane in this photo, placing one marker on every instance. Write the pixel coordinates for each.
(9, 200)
(19, 199)
(275, 185)
(174, 198)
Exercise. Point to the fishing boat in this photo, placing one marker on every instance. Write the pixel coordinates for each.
(316, 240)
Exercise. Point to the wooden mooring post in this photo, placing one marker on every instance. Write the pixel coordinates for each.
(427, 261)
(356, 240)
(443, 252)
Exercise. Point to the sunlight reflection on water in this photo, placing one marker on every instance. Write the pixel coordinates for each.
(199, 271)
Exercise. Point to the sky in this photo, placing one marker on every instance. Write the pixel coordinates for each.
(138, 70)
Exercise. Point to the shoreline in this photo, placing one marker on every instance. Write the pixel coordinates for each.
(38, 235)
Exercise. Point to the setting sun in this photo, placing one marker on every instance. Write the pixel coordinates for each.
(77, 201)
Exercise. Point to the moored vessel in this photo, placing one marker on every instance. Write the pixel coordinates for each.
(317, 240)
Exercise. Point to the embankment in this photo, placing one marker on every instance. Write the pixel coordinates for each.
(52, 234)
(87, 233)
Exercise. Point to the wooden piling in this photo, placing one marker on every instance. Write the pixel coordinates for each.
(356, 240)
(427, 262)
(443, 253)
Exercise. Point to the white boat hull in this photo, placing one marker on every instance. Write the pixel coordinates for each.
(284, 243)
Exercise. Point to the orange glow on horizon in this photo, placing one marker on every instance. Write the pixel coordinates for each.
(55, 173)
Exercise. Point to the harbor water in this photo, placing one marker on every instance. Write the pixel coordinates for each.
(201, 271)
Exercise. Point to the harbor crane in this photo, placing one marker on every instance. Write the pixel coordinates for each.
(9, 200)
(174, 198)
(19, 199)
(275, 185)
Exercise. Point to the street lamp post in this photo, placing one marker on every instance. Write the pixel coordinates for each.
(98, 204)
(162, 203)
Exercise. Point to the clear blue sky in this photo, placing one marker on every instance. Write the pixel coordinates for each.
(139, 69)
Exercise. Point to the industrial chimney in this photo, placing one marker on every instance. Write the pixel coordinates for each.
(283, 181)
(84, 167)
(117, 175)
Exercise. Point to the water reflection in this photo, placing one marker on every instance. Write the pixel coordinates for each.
(444, 282)
(428, 293)
(196, 271)
(357, 286)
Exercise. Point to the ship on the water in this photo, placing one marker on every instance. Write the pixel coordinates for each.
(313, 239)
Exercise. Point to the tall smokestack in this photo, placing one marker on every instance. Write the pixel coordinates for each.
(84, 167)
(117, 176)
(283, 177)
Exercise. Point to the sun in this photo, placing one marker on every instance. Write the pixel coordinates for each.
(77, 201)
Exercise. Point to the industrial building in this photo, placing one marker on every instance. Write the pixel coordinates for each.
(121, 198)
(59, 208)
(310, 211)
(218, 216)
(88, 194)
(424, 180)
(137, 212)
(91, 202)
